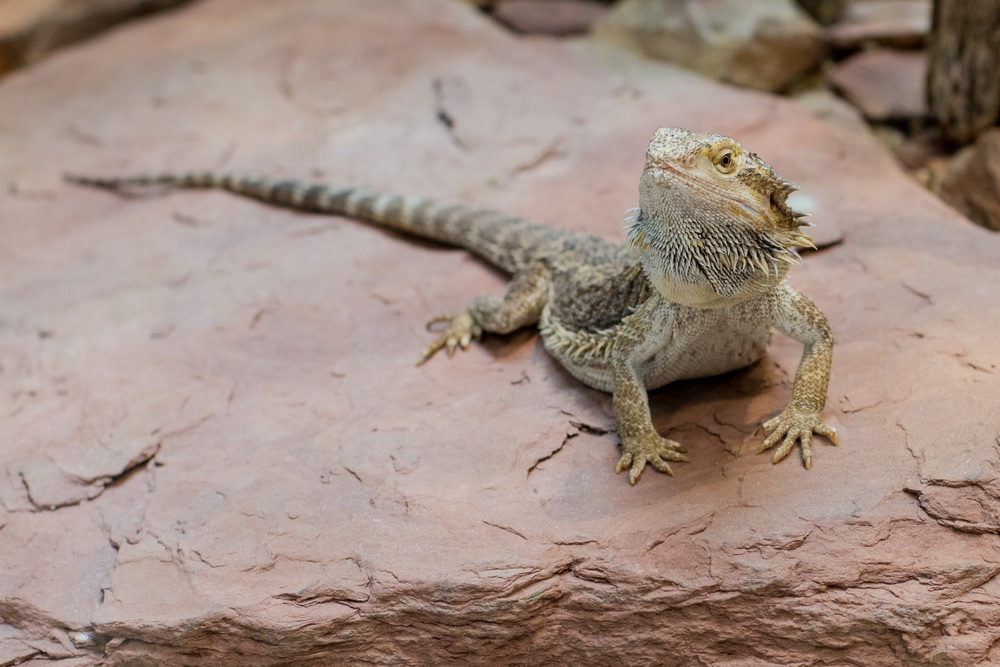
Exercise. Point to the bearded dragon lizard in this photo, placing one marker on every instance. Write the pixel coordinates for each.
(692, 293)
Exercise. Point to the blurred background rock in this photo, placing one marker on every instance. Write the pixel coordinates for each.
(31, 29)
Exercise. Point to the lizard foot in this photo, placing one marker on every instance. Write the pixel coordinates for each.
(459, 333)
(648, 448)
(795, 425)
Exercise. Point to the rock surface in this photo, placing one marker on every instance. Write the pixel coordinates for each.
(763, 44)
(884, 84)
(898, 23)
(970, 181)
(549, 17)
(823, 12)
(31, 29)
(216, 448)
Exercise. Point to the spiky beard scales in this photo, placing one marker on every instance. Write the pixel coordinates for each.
(709, 258)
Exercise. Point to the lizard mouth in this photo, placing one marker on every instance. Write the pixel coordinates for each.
(766, 212)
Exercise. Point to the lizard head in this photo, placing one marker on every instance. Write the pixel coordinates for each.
(713, 225)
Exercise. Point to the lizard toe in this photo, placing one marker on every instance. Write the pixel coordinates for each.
(650, 448)
(459, 333)
(795, 426)
(623, 463)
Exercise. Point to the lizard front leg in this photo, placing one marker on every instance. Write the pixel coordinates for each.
(800, 319)
(521, 306)
(635, 342)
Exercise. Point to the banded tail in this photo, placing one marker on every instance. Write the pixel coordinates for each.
(508, 242)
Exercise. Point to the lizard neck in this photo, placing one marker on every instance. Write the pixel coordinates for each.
(705, 262)
(693, 295)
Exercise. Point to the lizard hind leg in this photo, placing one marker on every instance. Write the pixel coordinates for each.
(521, 306)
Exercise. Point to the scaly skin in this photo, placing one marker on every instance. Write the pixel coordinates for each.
(693, 292)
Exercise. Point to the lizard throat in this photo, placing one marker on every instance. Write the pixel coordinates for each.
(709, 263)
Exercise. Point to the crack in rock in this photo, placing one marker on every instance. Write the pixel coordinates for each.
(506, 528)
(50, 487)
(968, 506)
(444, 116)
(538, 462)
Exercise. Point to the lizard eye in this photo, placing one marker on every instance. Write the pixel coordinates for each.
(725, 162)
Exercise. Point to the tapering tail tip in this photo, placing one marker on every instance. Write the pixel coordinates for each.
(139, 186)
(111, 184)
(76, 179)
(92, 181)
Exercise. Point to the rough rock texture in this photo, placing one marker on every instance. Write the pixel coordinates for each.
(549, 17)
(970, 181)
(216, 448)
(30, 29)
(763, 44)
(899, 23)
(884, 84)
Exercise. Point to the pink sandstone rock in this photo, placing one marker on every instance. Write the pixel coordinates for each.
(897, 23)
(216, 448)
(549, 17)
(884, 84)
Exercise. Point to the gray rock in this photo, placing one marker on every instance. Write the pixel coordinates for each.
(763, 44)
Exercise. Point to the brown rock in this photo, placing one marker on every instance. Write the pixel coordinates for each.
(970, 181)
(884, 84)
(31, 29)
(922, 148)
(823, 12)
(549, 17)
(898, 23)
(315, 499)
(763, 44)
(963, 86)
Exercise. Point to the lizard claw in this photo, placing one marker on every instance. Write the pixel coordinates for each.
(795, 425)
(651, 449)
(459, 333)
